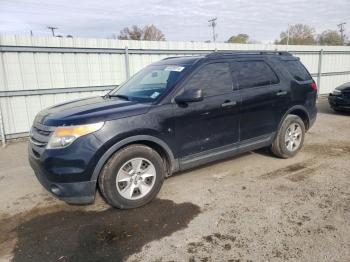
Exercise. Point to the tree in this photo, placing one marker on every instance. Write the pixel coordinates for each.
(240, 39)
(330, 37)
(152, 33)
(299, 34)
(148, 32)
(132, 33)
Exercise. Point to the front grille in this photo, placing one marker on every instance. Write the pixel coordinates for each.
(37, 142)
(41, 132)
(40, 135)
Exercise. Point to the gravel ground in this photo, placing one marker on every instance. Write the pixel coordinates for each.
(253, 207)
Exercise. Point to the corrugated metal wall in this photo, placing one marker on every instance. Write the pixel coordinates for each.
(37, 72)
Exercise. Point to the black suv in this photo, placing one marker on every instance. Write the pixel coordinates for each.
(174, 114)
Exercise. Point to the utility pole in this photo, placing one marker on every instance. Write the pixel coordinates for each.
(212, 23)
(341, 30)
(52, 28)
(288, 36)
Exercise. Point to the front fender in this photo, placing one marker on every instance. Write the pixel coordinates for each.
(133, 139)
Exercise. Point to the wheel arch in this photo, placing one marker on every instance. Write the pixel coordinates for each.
(153, 142)
(300, 111)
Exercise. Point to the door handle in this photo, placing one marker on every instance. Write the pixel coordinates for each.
(281, 93)
(229, 103)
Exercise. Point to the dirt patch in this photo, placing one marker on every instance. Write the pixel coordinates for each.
(329, 149)
(110, 235)
(289, 169)
(302, 175)
(304, 169)
(283, 188)
(216, 240)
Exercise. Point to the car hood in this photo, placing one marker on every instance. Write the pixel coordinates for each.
(344, 87)
(90, 110)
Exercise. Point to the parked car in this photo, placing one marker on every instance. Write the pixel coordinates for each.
(174, 114)
(339, 100)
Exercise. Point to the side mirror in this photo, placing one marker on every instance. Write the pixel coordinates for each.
(190, 95)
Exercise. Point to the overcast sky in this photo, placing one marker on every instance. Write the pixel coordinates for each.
(179, 20)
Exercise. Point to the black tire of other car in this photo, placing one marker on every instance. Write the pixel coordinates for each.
(279, 147)
(108, 178)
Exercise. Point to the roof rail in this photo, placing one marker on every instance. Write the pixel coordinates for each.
(232, 53)
(171, 57)
(180, 56)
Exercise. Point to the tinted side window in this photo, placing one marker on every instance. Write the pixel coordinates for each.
(253, 73)
(213, 79)
(297, 70)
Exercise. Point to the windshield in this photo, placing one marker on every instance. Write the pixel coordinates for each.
(149, 83)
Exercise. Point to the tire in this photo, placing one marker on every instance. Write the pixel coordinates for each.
(115, 181)
(280, 146)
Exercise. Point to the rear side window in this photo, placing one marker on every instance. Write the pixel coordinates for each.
(253, 73)
(297, 70)
(213, 79)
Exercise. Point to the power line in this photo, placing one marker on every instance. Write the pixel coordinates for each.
(342, 30)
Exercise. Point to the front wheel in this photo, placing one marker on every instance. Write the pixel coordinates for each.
(290, 137)
(132, 177)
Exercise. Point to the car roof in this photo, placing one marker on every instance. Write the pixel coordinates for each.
(189, 60)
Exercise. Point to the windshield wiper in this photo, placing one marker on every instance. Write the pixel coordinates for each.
(120, 96)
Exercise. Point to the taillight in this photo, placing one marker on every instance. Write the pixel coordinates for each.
(314, 86)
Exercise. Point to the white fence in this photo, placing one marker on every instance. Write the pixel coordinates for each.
(37, 72)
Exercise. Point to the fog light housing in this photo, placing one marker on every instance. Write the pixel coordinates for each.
(55, 190)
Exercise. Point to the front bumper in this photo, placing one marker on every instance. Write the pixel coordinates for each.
(73, 192)
(339, 102)
(66, 173)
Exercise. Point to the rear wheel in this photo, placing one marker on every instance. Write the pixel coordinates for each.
(132, 177)
(290, 137)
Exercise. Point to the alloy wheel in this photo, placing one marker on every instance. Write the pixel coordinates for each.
(135, 178)
(293, 137)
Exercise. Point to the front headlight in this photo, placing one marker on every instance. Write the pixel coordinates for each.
(336, 92)
(66, 135)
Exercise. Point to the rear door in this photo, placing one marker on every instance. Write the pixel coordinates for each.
(257, 84)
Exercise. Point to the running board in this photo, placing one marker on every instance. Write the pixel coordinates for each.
(225, 151)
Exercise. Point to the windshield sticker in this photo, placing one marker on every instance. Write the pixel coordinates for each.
(154, 95)
(174, 68)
